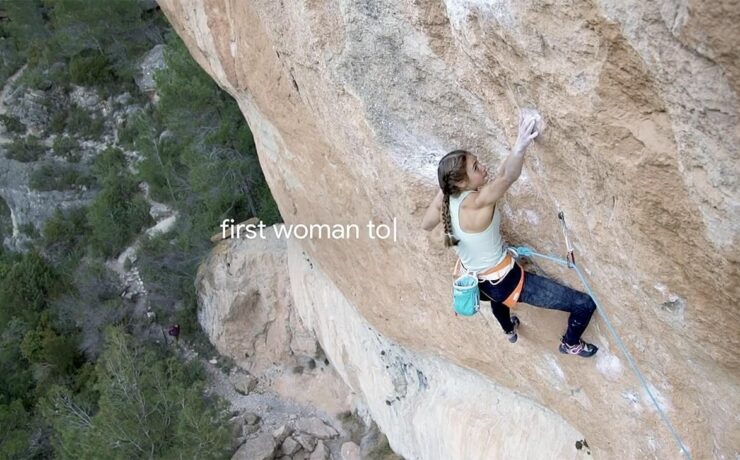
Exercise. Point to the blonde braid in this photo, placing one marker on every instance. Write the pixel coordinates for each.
(450, 239)
(451, 169)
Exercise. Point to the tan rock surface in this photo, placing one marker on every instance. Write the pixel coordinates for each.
(247, 301)
(351, 105)
(427, 407)
(246, 309)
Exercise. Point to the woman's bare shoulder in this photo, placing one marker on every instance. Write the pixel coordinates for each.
(473, 203)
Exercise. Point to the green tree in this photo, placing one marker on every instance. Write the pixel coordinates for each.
(199, 157)
(117, 214)
(89, 68)
(15, 434)
(27, 287)
(210, 153)
(12, 124)
(114, 30)
(16, 378)
(65, 234)
(150, 406)
(109, 161)
(52, 354)
(26, 29)
(190, 101)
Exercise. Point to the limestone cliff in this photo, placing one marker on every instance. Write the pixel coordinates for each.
(352, 104)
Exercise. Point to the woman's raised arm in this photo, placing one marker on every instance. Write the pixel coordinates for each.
(511, 167)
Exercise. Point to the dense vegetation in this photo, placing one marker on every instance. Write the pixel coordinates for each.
(80, 371)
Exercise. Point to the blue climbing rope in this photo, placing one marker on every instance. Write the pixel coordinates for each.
(523, 251)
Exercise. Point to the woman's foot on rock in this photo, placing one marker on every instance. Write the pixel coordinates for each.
(513, 336)
(583, 349)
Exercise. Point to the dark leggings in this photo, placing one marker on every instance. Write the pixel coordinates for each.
(543, 292)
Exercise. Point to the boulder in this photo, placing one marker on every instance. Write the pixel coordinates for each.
(315, 427)
(260, 447)
(250, 418)
(321, 452)
(152, 61)
(290, 446)
(350, 451)
(281, 434)
(306, 441)
(243, 382)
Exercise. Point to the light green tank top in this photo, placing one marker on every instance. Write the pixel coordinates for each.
(480, 250)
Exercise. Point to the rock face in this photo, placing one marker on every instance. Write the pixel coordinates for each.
(246, 307)
(352, 104)
(247, 310)
(27, 206)
(21, 206)
(428, 407)
(150, 63)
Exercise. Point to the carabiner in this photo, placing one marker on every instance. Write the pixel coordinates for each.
(570, 258)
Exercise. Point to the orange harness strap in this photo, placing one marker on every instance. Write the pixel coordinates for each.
(514, 296)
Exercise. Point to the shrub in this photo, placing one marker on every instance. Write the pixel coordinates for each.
(109, 161)
(33, 77)
(189, 98)
(12, 60)
(80, 121)
(167, 263)
(12, 124)
(26, 31)
(67, 147)
(15, 420)
(16, 379)
(56, 353)
(60, 177)
(57, 121)
(90, 69)
(26, 149)
(28, 229)
(106, 36)
(6, 221)
(64, 234)
(133, 127)
(94, 304)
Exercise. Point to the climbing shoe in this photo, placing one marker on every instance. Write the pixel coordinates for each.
(513, 336)
(582, 349)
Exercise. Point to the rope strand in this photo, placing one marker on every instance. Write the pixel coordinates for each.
(527, 252)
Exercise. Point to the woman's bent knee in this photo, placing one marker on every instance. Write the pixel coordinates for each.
(589, 305)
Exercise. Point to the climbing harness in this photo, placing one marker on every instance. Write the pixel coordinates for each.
(497, 272)
(494, 275)
(569, 262)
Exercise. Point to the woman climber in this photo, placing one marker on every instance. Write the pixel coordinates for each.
(467, 205)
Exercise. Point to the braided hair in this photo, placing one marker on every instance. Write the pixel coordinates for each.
(451, 169)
